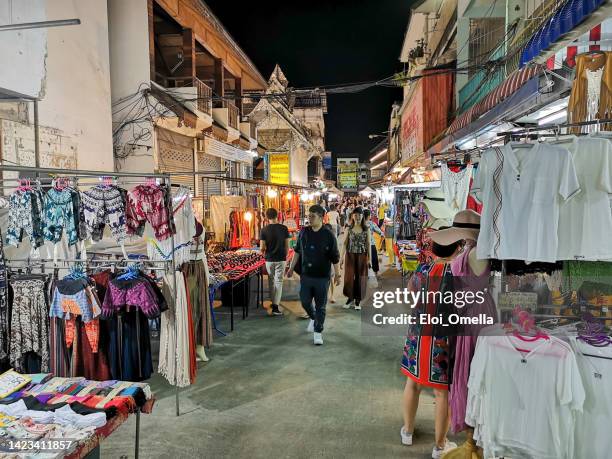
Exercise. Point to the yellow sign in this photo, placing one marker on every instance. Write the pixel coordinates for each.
(278, 168)
(347, 175)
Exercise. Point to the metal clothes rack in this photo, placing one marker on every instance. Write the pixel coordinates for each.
(552, 127)
(34, 174)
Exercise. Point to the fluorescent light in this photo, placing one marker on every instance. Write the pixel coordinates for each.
(378, 155)
(381, 164)
(552, 117)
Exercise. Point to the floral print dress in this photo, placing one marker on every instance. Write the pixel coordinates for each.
(426, 356)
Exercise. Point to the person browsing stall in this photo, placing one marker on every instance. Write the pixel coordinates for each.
(315, 253)
(274, 243)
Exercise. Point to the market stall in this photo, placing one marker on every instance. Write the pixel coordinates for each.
(543, 234)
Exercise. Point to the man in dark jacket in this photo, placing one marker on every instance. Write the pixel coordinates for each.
(316, 251)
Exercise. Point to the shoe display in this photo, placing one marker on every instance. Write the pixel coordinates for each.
(406, 437)
(437, 453)
(318, 338)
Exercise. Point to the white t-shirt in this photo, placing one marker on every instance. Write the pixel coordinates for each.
(334, 218)
(521, 190)
(585, 221)
(524, 404)
(593, 437)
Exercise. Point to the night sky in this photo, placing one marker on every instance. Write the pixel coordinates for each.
(323, 42)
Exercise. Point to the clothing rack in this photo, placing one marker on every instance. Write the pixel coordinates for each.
(166, 179)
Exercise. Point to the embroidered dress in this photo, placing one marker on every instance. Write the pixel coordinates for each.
(147, 203)
(25, 209)
(104, 205)
(29, 324)
(426, 356)
(58, 216)
(185, 231)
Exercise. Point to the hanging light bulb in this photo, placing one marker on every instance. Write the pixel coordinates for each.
(305, 197)
(272, 193)
(248, 216)
(289, 195)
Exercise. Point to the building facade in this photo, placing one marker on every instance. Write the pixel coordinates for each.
(491, 67)
(65, 71)
(175, 66)
(291, 125)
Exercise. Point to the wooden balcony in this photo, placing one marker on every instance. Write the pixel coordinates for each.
(232, 113)
(204, 96)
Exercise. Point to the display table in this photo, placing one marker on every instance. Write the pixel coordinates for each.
(89, 445)
(241, 278)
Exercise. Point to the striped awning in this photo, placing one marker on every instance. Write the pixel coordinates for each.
(512, 84)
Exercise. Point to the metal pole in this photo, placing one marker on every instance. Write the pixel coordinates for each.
(137, 440)
(39, 25)
(36, 136)
(171, 213)
(88, 173)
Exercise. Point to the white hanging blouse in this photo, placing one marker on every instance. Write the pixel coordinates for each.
(456, 186)
(521, 190)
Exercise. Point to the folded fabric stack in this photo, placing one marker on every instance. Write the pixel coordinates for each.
(234, 265)
(52, 408)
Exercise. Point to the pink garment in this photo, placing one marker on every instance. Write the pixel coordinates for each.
(465, 280)
(146, 203)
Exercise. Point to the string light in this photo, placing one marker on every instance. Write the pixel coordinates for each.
(248, 216)
(289, 195)
(272, 193)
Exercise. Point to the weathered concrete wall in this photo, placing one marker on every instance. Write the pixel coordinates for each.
(74, 93)
(130, 68)
(23, 52)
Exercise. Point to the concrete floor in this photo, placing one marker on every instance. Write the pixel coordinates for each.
(268, 392)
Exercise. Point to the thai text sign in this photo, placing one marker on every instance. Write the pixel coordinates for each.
(278, 168)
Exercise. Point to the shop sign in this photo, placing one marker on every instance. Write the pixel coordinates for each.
(278, 168)
(327, 160)
(347, 175)
(228, 152)
(411, 134)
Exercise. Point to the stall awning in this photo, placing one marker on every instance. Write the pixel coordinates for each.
(512, 84)
(561, 22)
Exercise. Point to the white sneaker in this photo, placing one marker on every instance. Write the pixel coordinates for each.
(406, 437)
(310, 327)
(348, 304)
(357, 307)
(437, 453)
(318, 338)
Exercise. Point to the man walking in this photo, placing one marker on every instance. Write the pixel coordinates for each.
(316, 251)
(274, 243)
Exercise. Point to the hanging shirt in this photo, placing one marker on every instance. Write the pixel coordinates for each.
(456, 186)
(585, 222)
(593, 425)
(522, 190)
(524, 404)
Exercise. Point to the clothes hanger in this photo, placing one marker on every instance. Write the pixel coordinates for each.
(132, 272)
